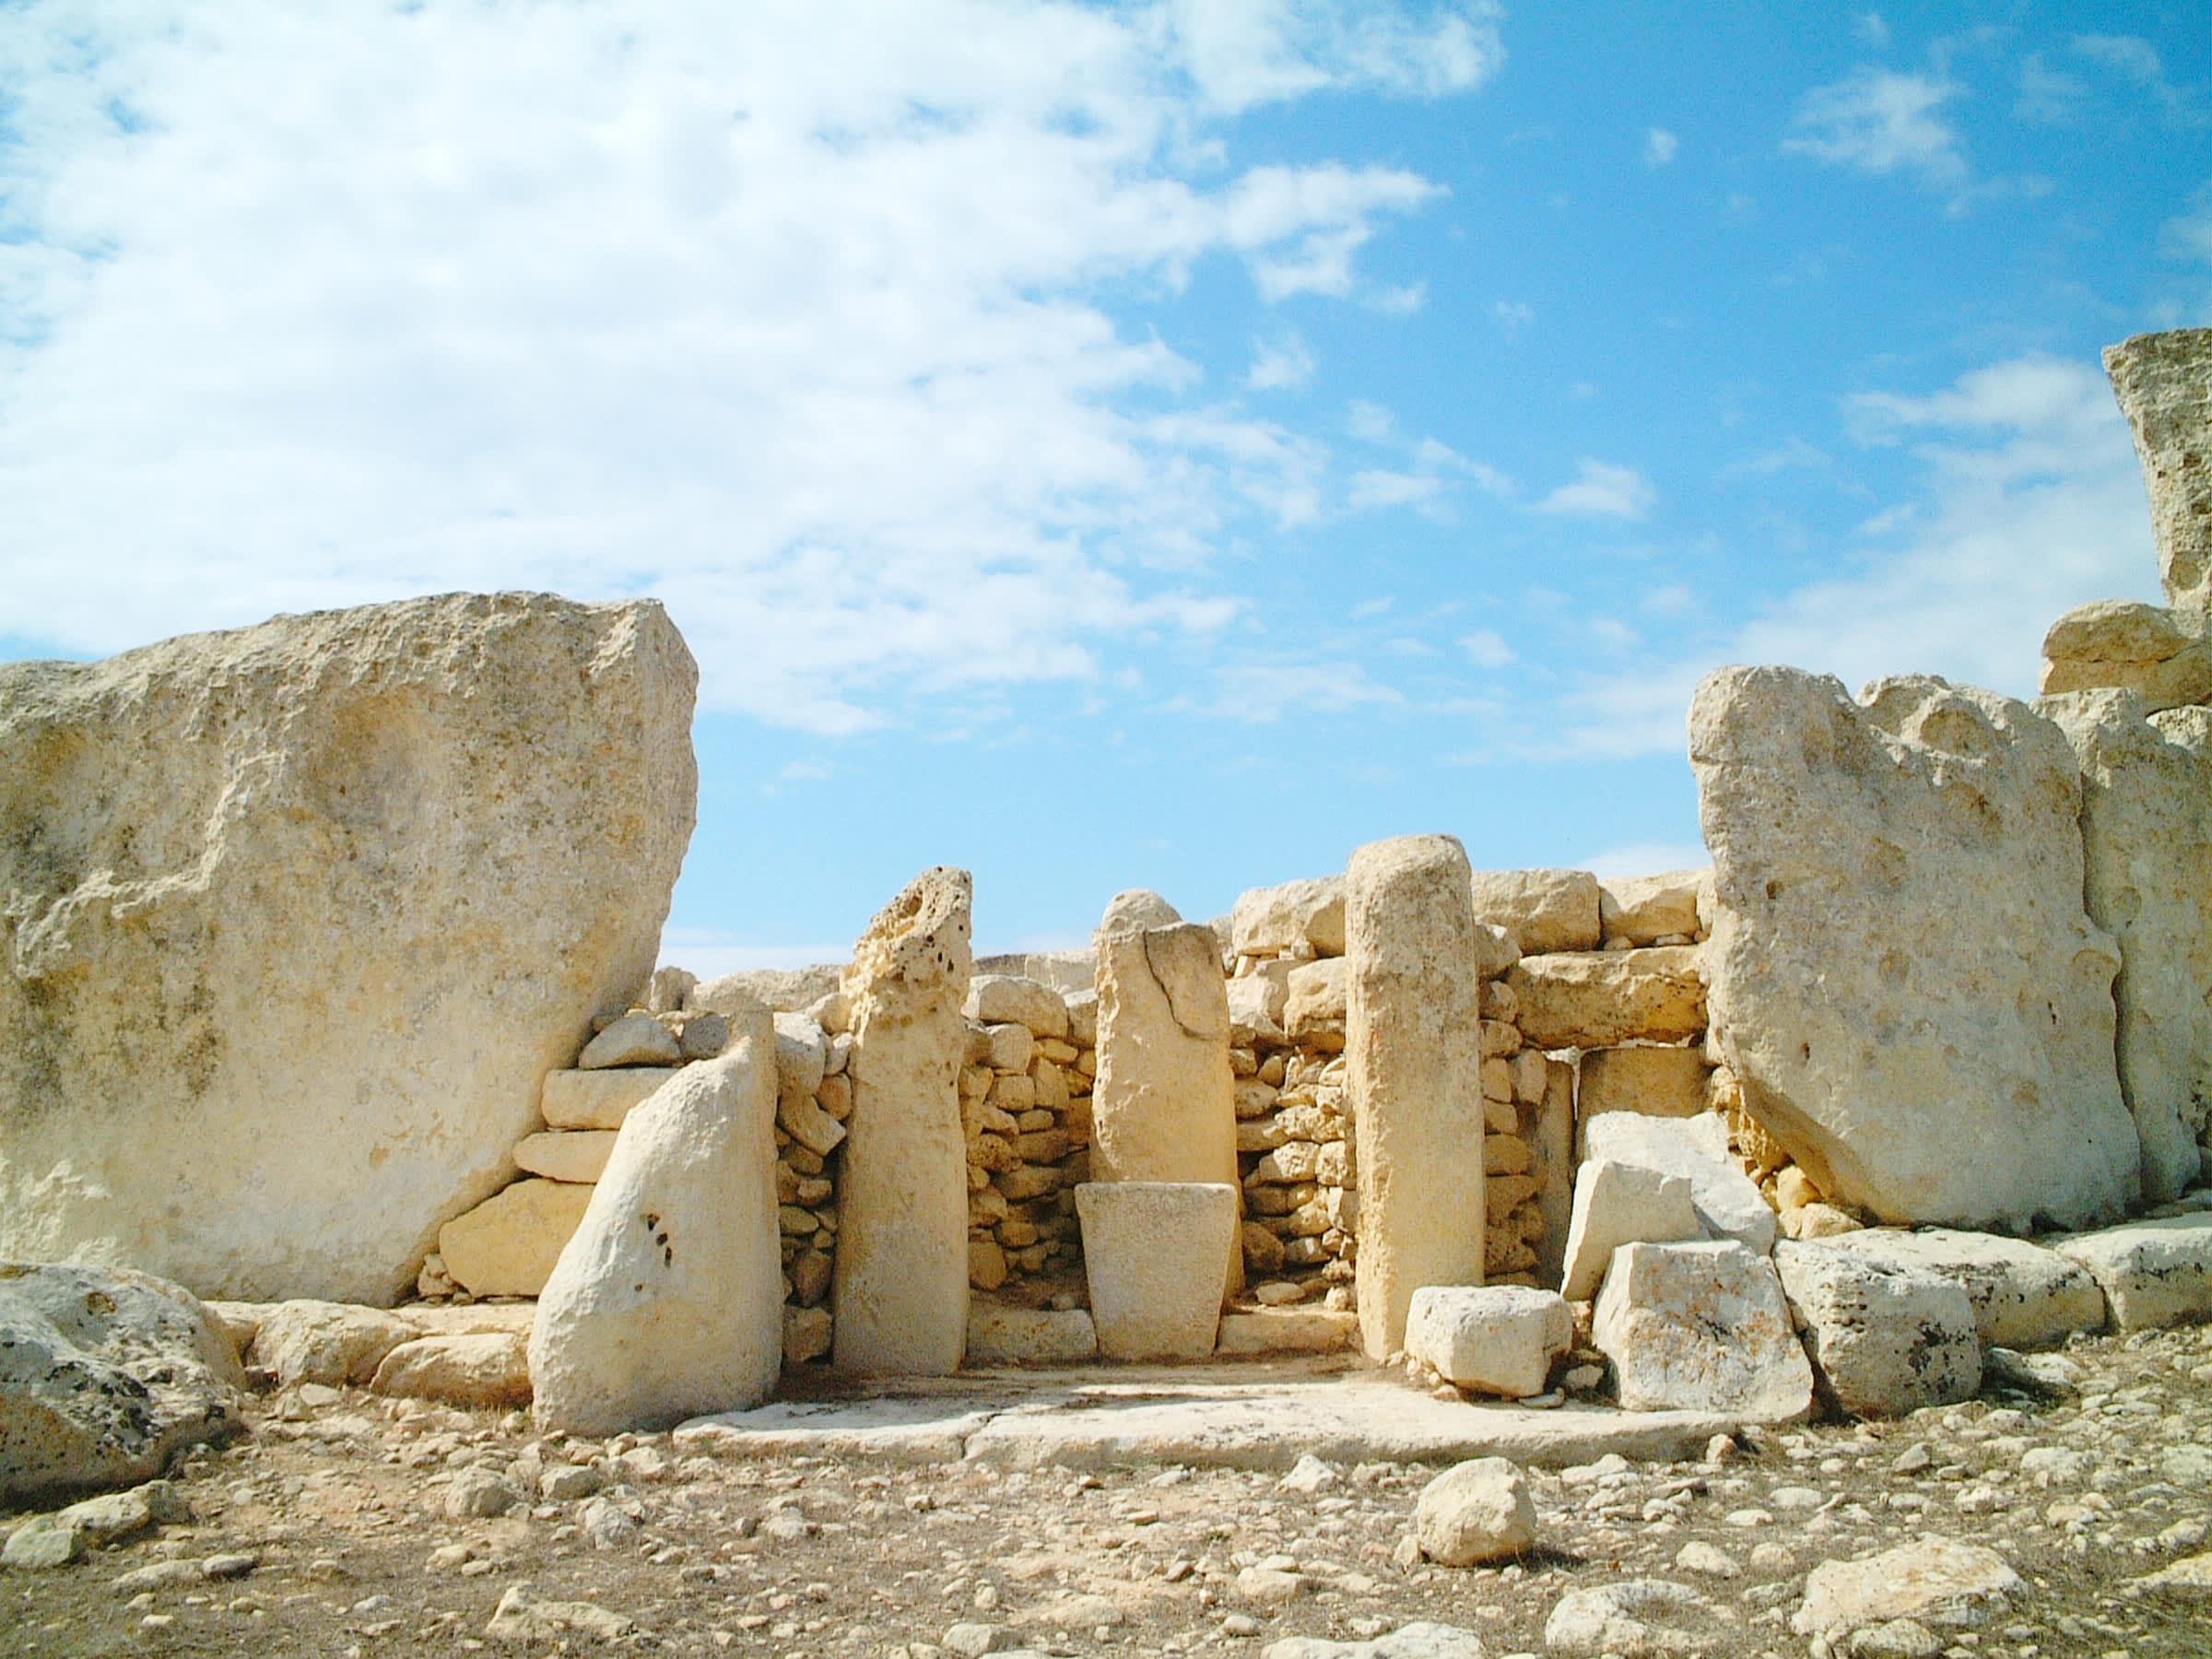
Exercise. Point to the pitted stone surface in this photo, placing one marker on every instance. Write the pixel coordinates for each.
(2164, 383)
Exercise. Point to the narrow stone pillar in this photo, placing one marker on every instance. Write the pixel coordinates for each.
(1164, 1105)
(901, 1284)
(1413, 1024)
(2164, 384)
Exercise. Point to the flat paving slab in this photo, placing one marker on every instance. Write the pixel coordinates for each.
(1259, 1416)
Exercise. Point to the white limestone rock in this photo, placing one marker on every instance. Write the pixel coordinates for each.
(902, 1294)
(508, 1244)
(1005, 1335)
(1420, 1640)
(1884, 1340)
(576, 1155)
(1900, 960)
(783, 990)
(598, 1099)
(802, 1054)
(2023, 1296)
(2153, 1273)
(667, 1303)
(1315, 999)
(335, 853)
(104, 1373)
(1144, 1246)
(1701, 1327)
(1163, 1105)
(998, 998)
(1475, 1511)
(1134, 910)
(1657, 1082)
(332, 1342)
(2158, 655)
(1932, 1580)
(477, 1369)
(1597, 999)
(1495, 1339)
(2164, 384)
(1281, 920)
(1616, 1203)
(1728, 1205)
(633, 1040)
(1640, 1618)
(1643, 910)
(1543, 910)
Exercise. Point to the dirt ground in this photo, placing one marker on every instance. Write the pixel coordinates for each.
(345, 1505)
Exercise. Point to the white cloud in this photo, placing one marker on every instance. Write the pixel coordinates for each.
(1881, 121)
(1262, 693)
(1873, 28)
(1379, 487)
(1281, 365)
(1513, 315)
(1647, 858)
(2188, 235)
(1370, 422)
(1486, 648)
(790, 314)
(1660, 146)
(1601, 490)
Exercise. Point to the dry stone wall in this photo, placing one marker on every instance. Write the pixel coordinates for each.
(1024, 1109)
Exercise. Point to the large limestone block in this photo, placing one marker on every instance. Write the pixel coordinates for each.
(1701, 1327)
(1005, 1335)
(1498, 1339)
(103, 1374)
(1146, 1246)
(667, 1303)
(1413, 1027)
(1007, 999)
(507, 1245)
(901, 1295)
(1315, 999)
(1644, 910)
(1163, 1105)
(2164, 383)
(2153, 1273)
(2155, 652)
(298, 916)
(1728, 1205)
(1543, 910)
(1283, 921)
(1657, 1082)
(1900, 960)
(2148, 841)
(598, 1099)
(2023, 1296)
(1933, 1581)
(1884, 1340)
(1616, 1203)
(1595, 999)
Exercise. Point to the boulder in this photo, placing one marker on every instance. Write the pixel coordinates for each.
(2147, 842)
(508, 1244)
(2153, 1273)
(1595, 999)
(1616, 1203)
(902, 1294)
(802, 1054)
(598, 1099)
(2155, 653)
(1000, 999)
(1635, 1618)
(104, 1373)
(1932, 1580)
(2023, 1296)
(1287, 920)
(1884, 1340)
(1134, 911)
(1657, 1082)
(332, 1342)
(1701, 1327)
(2164, 383)
(1144, 1246)
(479, 1370)
(1728, 1205)
(1414, 1016)
(1899, 960)
(271, 889)
(633, 1040)
(1497, 1339)
(1258, 1002)
(666, 1303)
(1475, 1511)
(1543, 910)
(1644, 910)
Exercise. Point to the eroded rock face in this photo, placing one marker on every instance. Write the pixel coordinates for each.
(1885, 1340)
(2164, 383)
(1164, 1104)
(294, 919)
(1899, 963)
(1701, 1327)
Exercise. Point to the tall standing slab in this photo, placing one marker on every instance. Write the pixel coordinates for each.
(2164, 383)
(1902, 975)
(294, 920)
(901, 1284)
(1413, 1046)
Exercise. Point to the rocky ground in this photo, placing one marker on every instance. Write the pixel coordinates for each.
(343, 1524)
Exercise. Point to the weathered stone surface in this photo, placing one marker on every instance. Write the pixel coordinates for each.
(2023, 1296)
(2153, 651)
(902, 1292)
(330, 1343)
(633, 1040)
(1657, 1082)
(1144, 1246)
(524, 1617)
(1413, 1027)
(1636, 1619)
(2153, 1273)
(802, 1054)
(2148, 841)
(1596, 999)
(332, 852)
(1547, 1127)
(1258, 1002)
(1728, 1205)
(1001, 999)
(1281, 921)
(598, 1099)
(1294, 1330)
(1421, 1640)
(1616, 1203)
(1701, 1327)
(1000, 1335)
(1884, 1340)
(1498, 1339)
(1644, 910)
(477, 1369)
(1899, 960)
(783, 990)
(667, 1303)
(1134, 910)
(1932, 1580)
(1315, 999)
(103, 1374)
(1543, 910)
(575, 1155)
(2164, 383)
(1475, 1511)
(508, 1244)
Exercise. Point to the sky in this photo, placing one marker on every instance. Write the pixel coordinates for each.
(1158, 445)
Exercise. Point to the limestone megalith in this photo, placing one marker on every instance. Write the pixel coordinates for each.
(2164, 384)
(295, 919)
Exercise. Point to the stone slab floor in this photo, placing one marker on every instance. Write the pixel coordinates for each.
(353, 1525)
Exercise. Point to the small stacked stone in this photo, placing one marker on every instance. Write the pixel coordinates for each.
(1519, 1084)
(1025, 1107)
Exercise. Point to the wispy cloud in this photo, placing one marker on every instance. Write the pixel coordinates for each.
(1486, 648)
(1601, 490)
(1513, 315)
(1881, 121)
(1660, 146)
(1281, 365)
(1262, 693)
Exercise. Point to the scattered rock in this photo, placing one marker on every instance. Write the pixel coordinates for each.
(332, 1342)
(1884, 1340)
(1477, 1512)
(1633, 1619)
(2153, 1273)
(1497, 1339)
(472, 1368)
(1418, 1640)
(522, 1616)
(1933, 1581)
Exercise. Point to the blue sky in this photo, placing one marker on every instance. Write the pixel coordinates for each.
(1163, 446)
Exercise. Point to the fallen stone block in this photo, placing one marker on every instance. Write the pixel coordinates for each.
(2153, 1273)
(1932, 1580)
(1635, 1616)
(330, 1343)
(1616, 1203)
(1884, 1340)
(1497, 1339)
(1475, 1511)
(1728, 1205)
(1701, 1327)
(477, 1369)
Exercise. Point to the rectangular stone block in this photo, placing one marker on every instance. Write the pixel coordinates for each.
(1657, 1082)
(1544, 910)
(1155, 1254)
(1597, 999)
(1288, 1331)
(2153, 1273)
(598, 1099)
(1495, 1339)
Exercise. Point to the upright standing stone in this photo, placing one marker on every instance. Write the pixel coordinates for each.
(2146, 787)
(1901, 966)
(2164, 383)
(903, 1192)
(1413, 1042)
(667, 1301)
(294, 919)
